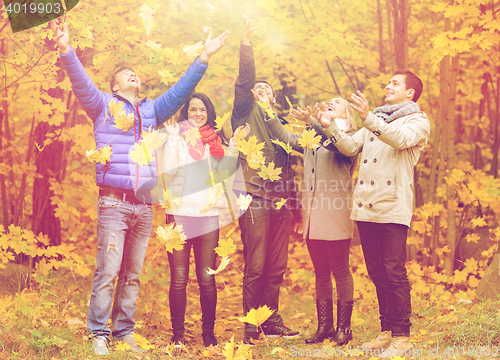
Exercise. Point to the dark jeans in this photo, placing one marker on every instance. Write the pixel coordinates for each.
(204, 255)
(384, 248)
(331, 257)
(264, 233)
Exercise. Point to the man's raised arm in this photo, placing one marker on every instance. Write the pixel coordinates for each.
(90, 97)
(168, 103)
(243, 96)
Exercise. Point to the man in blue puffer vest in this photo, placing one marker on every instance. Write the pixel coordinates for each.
(124, 220)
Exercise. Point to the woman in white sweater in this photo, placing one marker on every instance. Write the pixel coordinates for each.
(194, 161)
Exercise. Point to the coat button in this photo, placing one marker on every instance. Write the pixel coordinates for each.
(374, 160)
(388, 183)
(311, 188)
(371, 139)
(365, 161)
(360, 204)
(370, 205)
(361, 182)
(313, 152)
(372, 182)
(312, 170)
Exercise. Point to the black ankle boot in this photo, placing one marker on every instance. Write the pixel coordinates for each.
(343, 334)
(325, 322)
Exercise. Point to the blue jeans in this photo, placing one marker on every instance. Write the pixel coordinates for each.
(384, 248)
(204, 254)
(123, 231)
(264, 233)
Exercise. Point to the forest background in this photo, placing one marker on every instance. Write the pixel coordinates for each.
(309, 51)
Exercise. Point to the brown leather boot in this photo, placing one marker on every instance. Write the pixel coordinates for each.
(400, 346)
(382, 340)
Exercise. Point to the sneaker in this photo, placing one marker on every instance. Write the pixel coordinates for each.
(100, 345)
(178, 340)
(249, 336)
(209, 339)
(279, 330)
(129, 339)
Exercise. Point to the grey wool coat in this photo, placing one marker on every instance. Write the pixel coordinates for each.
(326, 190)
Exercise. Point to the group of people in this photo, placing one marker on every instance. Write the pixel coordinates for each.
(381, 203)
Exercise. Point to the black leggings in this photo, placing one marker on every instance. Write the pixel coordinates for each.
(203, 246)
(331, 257)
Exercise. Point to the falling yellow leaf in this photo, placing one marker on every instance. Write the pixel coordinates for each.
(285, 147)
(173, 237)
(226, 247)
(244, 201)
(214, 195)
(267, 108)
(289, 102)
(192, 51)
(220, 121)
(256, 159)
(101, 155)
(116, 108)
(280, 203)
(257, 316)
(249, 146)
(309, 139)
(154, 139)
(269, 172)
(192, 135)
(172, 201)
(223, 263)
(142, 154)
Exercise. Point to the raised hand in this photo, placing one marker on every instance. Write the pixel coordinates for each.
(211, 46)
(245, 128)
(172, 127)
(247, 30)
(361, 106)
(61, 36)
(302, 115)
(322, 115)
(259, 95)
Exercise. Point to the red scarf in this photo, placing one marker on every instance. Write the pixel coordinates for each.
(207, 135)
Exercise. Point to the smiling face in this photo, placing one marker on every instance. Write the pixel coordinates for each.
(266, 90)
(396, 92)
(126, 80)
(337, 109)
(197, 112)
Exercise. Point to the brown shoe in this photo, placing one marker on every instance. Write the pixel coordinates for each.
(400, 346)
(382, 340)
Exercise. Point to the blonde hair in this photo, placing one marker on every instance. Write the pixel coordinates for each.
(349, 113)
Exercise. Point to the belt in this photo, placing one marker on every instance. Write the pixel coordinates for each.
(127, 196)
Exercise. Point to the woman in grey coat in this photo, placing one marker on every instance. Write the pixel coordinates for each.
(326, 198)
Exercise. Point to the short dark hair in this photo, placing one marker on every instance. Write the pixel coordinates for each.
(265, 82)
(412, 81)
(211, 115)
(113, 78)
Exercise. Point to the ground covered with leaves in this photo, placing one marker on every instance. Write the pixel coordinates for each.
(48, 319)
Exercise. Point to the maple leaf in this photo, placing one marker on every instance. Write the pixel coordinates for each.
(309, 139)
(142, 154)
(266, 107)
(154, 139)
(125, 122)
(478, 222)
(289, 102)
(249, 146)
(223, 263)
(244, 201)
(241, 353)
(269, 172)
(99, 155)
(121, 346)
(192, 51)
(192, 135)
(472, 238)
(142, 342)
(280, 203)
(214, 195)
(220, 121)
(172, 201)
(285, 147)
(257, 316)
(173, 237)
(116, 108)
(146, 13)
(226, 247)
(256, 159)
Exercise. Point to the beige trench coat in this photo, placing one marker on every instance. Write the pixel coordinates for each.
(384, 191)
(326, 190)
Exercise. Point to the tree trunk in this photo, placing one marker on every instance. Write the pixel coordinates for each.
(381, 66)
(496, 144)
(3, 188)
(477, 161)
(400, 11)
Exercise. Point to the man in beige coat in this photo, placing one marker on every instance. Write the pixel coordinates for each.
(391, 140)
